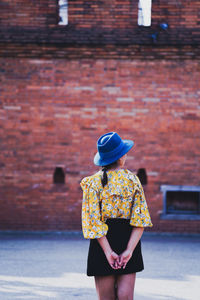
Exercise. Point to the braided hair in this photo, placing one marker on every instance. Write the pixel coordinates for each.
(104, 169)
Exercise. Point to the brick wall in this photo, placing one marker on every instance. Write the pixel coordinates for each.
(63, 86)
(100, 13)
(31, 14)
(53, 111)
(99, 22)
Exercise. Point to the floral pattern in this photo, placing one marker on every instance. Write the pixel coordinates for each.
(122, 197)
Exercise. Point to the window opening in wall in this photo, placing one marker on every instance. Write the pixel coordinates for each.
(181, 202)
(142, 175)
(63, 12)
(144, 12)
(58, 176)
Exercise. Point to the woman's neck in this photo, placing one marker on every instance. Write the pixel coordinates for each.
(116, 168)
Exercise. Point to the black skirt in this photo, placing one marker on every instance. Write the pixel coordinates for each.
(119, 231)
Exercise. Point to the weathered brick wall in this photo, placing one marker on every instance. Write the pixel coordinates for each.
(52, 112)
(98, 22)
(28, 13)
(100, 13)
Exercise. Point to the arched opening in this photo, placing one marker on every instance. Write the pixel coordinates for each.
(59, 176)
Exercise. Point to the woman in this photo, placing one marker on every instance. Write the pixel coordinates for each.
(114, 214)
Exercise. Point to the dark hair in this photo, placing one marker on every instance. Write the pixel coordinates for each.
(104, 177)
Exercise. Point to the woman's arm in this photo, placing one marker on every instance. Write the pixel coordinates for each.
(133, 240)
(111, 256)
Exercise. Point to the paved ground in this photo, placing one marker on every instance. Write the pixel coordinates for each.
(53, 267)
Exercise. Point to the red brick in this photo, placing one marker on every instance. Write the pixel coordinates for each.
(62, 87)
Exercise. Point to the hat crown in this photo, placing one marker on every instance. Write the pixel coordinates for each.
(110, 148)
(108, 142)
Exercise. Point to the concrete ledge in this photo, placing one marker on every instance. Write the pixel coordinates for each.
(79, 235)
(191, 217)
(41, 234)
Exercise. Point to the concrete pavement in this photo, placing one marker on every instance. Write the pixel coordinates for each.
(52, 266)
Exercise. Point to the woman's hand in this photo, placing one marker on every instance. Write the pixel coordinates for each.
(124, 258)
(133, 241)
(111, 256)
(113, 259)
(118, 261)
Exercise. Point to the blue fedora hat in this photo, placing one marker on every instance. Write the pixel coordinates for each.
(110, 148)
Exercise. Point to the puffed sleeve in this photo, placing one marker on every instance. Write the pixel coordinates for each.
(140, 216)
(92, 225)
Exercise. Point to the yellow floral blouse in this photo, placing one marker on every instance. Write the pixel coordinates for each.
(122, 197)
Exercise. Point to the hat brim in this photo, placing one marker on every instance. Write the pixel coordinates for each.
(98, 161)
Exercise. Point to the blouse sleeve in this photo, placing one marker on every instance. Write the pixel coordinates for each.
(140, 216)
(92, 225)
